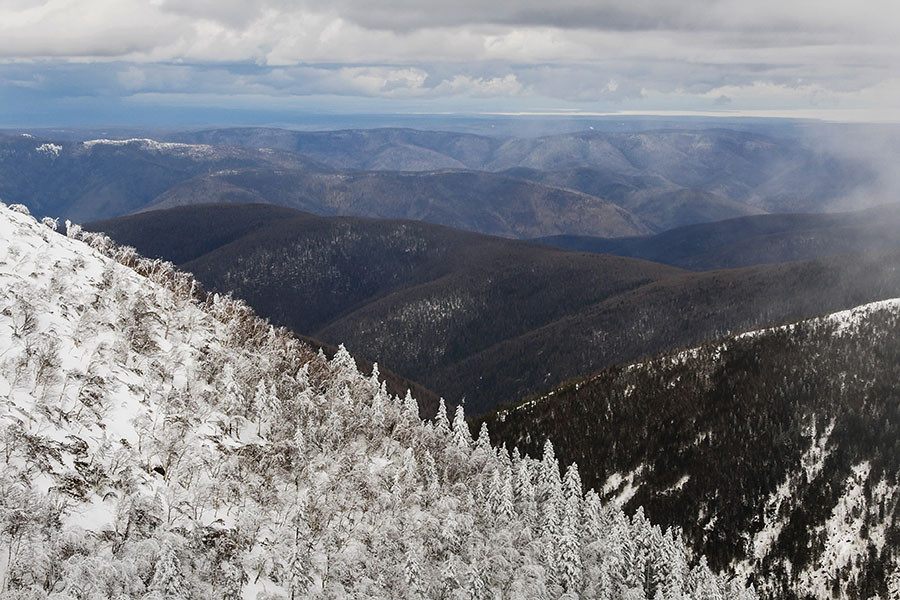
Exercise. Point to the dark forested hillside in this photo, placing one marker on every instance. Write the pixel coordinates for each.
(754, 240)
(775, 452)
(483, 318)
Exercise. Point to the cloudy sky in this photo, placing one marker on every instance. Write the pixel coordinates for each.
(108, 60)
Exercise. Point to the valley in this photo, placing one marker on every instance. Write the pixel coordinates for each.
(477, 317)
(647, 305)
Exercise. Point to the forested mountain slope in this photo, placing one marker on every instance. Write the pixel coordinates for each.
(160, 445)
(485, 319)
(754, 240)
(776, 451)
(768, 173)
(468, 291)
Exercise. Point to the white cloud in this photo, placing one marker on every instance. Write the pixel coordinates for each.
(479, 87)
(603, 53)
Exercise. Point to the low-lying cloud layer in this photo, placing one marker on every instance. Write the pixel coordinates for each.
(697, 55)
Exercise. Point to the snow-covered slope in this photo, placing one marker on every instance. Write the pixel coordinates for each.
(193, 150)
(776, 451)
(156, 445)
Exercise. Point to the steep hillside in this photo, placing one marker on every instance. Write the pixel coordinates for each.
(157, 445)
(776, 451)
(106, 178)
(483, 318)
(754, 240)
(489, 203)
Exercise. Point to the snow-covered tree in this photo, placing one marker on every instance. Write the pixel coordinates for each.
(129, 470)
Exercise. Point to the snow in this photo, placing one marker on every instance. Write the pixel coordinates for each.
(762, 542)
(677, 485)
(34, 249)
(131, 435)
(262, 587)
(51, 150)
(846, 320)
(842, 532)
(620, 488)
(197, 150)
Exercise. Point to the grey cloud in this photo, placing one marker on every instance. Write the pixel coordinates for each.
(236, 14)
(404, 15)
(603, 55)
(765, 17)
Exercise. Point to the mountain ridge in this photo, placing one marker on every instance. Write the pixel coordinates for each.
(157, 444)
(489, 203)
(774, 449)
(446, 308)
(748, 241)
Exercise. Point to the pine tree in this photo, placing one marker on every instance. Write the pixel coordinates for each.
(441, 423)
(569, 552)
(168, 575)
(377, 411)
(461, 434)
(483, 443)
(430, 475)
(412, 570)
(299, 575)
(411, 407)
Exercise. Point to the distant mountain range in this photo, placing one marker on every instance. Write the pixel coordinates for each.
(753, 240)
(775, 452)
(758, 171)
(587, 183)
(383, 149)
(484, 318)
(102, 178)
(492, 203)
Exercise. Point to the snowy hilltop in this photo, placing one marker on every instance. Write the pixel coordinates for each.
(160, 443)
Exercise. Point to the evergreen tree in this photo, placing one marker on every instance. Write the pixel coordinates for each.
(169, 579)
(461, 434)
(441, 423)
